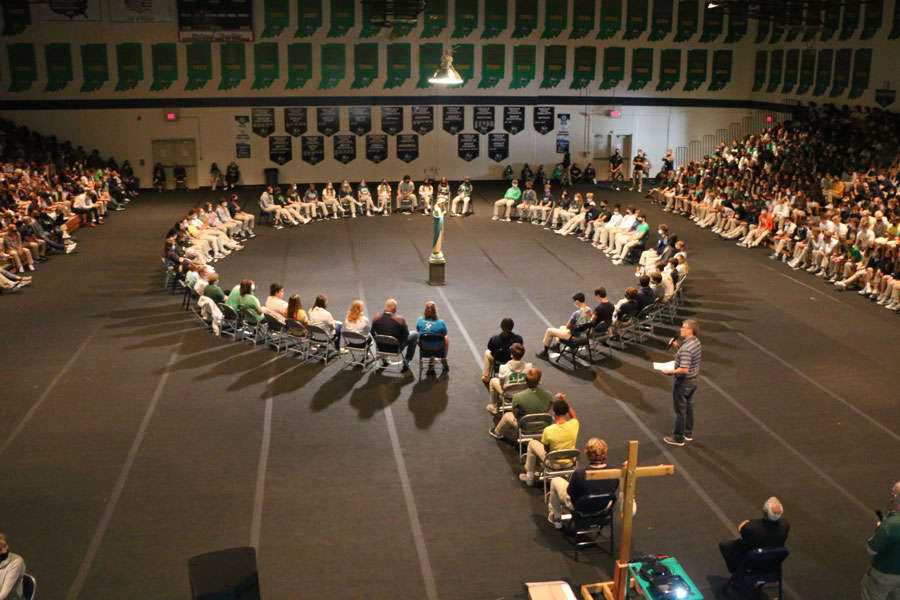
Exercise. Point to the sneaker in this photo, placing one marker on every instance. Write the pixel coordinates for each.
(617, 262)
(523, 477)
(279, 227)
(491, 408)
(485, 379)
(784, 258)
(494, 435)
(555, 520)
(542, 354)
(70, 247)
(495, 218)
(672, 441)
(689, 438)
(773, 256)
(343, 351)
(507, 220)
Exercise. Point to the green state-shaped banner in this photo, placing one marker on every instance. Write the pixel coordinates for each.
(465, 18)
(365, 65)
(635, 18)
(525, 19)
(831, 21)
(669, 69)
(130, 65)
(583, 18)
(777, 31)
(399, 65)
(435, 19)
(661, 19)
(763, 28)
(16, 16)
(871, 18)
(697, 61)
(791, 70)
(493, 65)
(824, 65)
(199, 65)
(524, 66)
(713, 23)
(862, 65)
(613, 67)
(585, 69)
(554, 66)
(276, 17)
(333, 65)
(610, 19)
(464, 63)
(807, 70)
(299, 65)
(58, 57)
(737, 23)
(842, 61)
(233, 61)
(164, 62)
(309, 17)
(895, 27)
(369, 29)
(556, 18)
(850, 20)
(688, 15)
(343, 18)
(94, 67)
(22, 66)
(266, 67)
(429, 61)
(721, 69)
(759, 70)
(401, 30)
(495, 19)
(641, 68)
(776, 68)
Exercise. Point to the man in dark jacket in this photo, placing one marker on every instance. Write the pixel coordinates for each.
(392, 324)
(769, 532)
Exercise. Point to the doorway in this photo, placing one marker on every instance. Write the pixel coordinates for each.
(173, 152)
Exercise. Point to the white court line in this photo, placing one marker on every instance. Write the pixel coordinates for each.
(259, 495)
(462, 328)
(798, 282)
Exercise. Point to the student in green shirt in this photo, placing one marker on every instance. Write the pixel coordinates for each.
(212, 289)
(508, 200)
(248, 303)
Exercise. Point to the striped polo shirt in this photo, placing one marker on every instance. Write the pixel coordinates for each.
(688, 356)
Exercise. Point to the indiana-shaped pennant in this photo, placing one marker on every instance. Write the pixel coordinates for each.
(763, 28)
(583, 15)
(807, 71)
(429, 61)
(343, 18)
(776, 67)
(309, 17)
(94, 66)
(556, 17)
(791, 70)
(585, 69)
(669, 69)
(610, 19)
(130, 65)
(199, 65)
(613, 67)
(16, 16)
(493, 65)
(721, 69)
(495, 19)
(265, 65)
(233, 64)
(369, 29)
(641, 68)
(842, 59)
(164, 62)
(299, 65)
(759, 70)
(399, 65)
(435, 19)
(59, 66)
(831, 21)
(713, 23)
(696, 69)
(661, 19)
(277, 16)
(526, 18)
(334, 63)
(872, 18)
(688, 14)
(635, 19)
(22, 66)
(895, 28)
(862, 65)
(365, 65)
(737, 23)
(465, 18)
(823, 71)
(524, 60)
(464, 62)
(554, 66)
(851, 19)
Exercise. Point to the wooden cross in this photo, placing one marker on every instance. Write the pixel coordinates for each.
(615, 589)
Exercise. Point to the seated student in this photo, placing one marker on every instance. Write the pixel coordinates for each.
(509, 199)
(406, 192)
(540, 211)
(84, 204)
(529, 200)
(180, 175)
(532, 400)
(771, 531)
(203, 274)
(562, 210)
(603, 313)
(636, 237)
(511, 373)
(9, 281)
(627, 307)
(426, 193)
(290, 206)
(267, 205)
(232, 175)
(248, 303)
(212, 289)
(645, 295)
(564, 494)
(320, 317)
(275, 303)
(649, 257)
(356, 320)
(295, 310)
(329, 198)
(345, 195)
(210, 218)
(215, 177)
(13, 247)
(498, 347)
(384, 197)
(577, 321)
(159, 178)
(429, 325)
(562, 435)
(244, 217)
(238, 226)
(463, 195)
(365, 198)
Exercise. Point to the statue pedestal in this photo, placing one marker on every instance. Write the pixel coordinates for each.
(436, 270)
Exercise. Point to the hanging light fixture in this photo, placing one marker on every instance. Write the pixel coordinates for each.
(446, 74)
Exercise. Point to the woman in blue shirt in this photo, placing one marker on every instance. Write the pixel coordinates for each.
(429, 325)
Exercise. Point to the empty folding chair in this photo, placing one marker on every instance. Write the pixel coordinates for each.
(359, 349)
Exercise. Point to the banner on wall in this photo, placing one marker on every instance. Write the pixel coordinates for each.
(871, 18)
(408, 147)
(435, 19)
(583, 14)
(344, 148)
(543, 119)
(233, 64)
(610, 18)
(562, 133)
(312, 149)
(465, 18)
(360, 119)
(613, 67)
(263, 121)
(842, 60)
(399, 65)
(696, 69)
(464, 61)
(130, 65)
(365, 65)
(281, 149)
(807, 70)
(453, 119)
(422, 119)
(94, 67)
(635, 19)
(759, 70)
(343, 18)
(669, 69)
(22, 66)
(895, 28)
(495, 19)
(276, 17)
(791, 70)
(661, 19)
(299, 65)
(369, 30)
(713, 23)
(523, 66)
(309, 17)
(862, 65)
(823, 71)
(721, 69)
(513, 119)
(641, 68)
(164, 62)
(295, 120)
(391, 119)
(483, 119)
(333, 65)
(129, 11)
(199, 65)
(467, 146)
(851, 19)
(554, 66)
(58, 57)
(688, 14)
(70, 10)
(737, 23)
(242, 136)
(265, 65)
(376, 147)
(526, 18)
(493, 64)
(585, 69)
(556, 18)
(762, 31)
(776, 66)
(498, 147)
(429, 61)
(16, 16)
(328, 120)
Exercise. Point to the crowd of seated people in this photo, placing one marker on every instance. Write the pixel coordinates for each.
(819, 191)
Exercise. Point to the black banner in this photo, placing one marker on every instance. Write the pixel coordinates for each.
(360, 119)
(454, 119)
(345, 148)
(513, 119)
(543, 119)
(422, 119)
(483, 119)
(263, 120)
(376, 147)
(328, 121)
(391, 119)
(467, 146)
(312, 149)
(408, 147)
(498, 146)
(281, 149)
(295, 122)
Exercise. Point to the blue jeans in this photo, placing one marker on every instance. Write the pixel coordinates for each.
(683, 402)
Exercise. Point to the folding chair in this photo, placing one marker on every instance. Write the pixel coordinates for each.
(387, 350)
(252, 329)
(359, 349)
(531, 427)
(432, 347)
(296, 339)
(29, 586)
(574, 344)
(590, 515)
(508, 392)
(231, 321)
(170, 272)
(559, 463)
(274, 332)
(759, 567)
(644, 323)
(321, 343)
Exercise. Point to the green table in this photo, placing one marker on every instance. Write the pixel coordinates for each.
(634, 570)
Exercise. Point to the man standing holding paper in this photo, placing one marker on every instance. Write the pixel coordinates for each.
(685, 368)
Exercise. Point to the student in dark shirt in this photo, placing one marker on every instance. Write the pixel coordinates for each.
(645, 294)
(603, 312)
(497, 352)
(769, 532)
(564, 495)
(392, 324)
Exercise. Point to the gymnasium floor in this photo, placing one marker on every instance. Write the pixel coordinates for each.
(130, 439)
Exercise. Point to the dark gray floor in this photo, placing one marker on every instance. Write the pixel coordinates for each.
(131, 440)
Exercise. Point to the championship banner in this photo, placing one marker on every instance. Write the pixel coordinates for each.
(391, 119)
(777, 32)
(376, 148)
(713, 23)
(343, 18)
(661, 19)
(688, 14)
(94, 67)
(793, 13)
(669, 69)
(345, 148)
(399, 65)
(435, 20)
(554, 66)
(262, 121)
(309, 17)
(498, 147)
(199, 65)
(265, 65)
(483, 119)
(862, 65)
(823, 71)
(585, 69)
(526, 18)
(513, 119)
(276, 17)
(737, 23)
(776, 67)
(762, 31)
(369, 29)
(807, 70)
(842, 59)
(22, 66)
(360, 119)
(70, 10)
(422, 119)
(299, 65)
(759, 70)
(429, 61)
(312, 149)
(130, 65)
(635, 19)
(295, 120)
(242, 136)
(164, 62)
(556, 17)
(408, 147)
(281, 149)
(831, 21)
(16, 16)
(812, 18)
(791, 70)
(333, 65)
(465, 18)
(365, 65)
(562, 133)
(895, 28)
(544, 117)
(234, 65)
(523, 66)
(721, 69)
(610, 18)
(493, 64)
(467, 146)
(583, 15)
(453, 119)
(641, 68)
(59, 66)
(851, 19)
(464, 61)
(697, 61)
(328, 120)
(495, 19)
(613, 67)
(871, 18)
